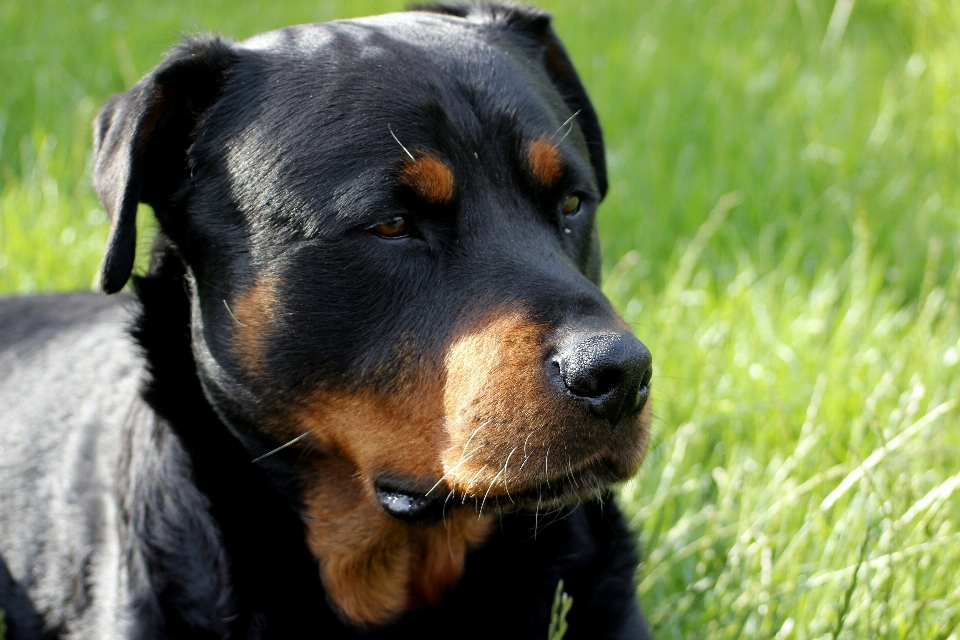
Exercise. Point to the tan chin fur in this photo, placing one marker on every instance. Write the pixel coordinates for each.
(373, 566)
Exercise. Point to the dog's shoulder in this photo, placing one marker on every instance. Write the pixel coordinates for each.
(96, 490)
(65, 360)
(36, 319)
(65, 388)
(68, 366)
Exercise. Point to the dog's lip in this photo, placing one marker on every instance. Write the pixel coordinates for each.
(408, 501)
(587, 481)
(415, 501)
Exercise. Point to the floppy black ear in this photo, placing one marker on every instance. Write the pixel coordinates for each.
(140, 142)
(533, 25)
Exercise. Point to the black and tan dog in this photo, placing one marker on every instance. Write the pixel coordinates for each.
(372, 388)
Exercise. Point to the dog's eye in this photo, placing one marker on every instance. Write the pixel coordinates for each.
(393, 228)
(570, 205)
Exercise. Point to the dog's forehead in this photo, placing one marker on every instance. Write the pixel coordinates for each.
(334, 108)
(428, 30)
(396, 64)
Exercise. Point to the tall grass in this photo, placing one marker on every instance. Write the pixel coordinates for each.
(805, 480)
(783, 230)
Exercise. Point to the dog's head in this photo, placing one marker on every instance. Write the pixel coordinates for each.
(388, 230)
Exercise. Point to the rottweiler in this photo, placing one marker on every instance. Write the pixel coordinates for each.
(368, 386)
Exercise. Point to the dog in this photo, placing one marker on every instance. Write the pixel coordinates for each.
(368, 386)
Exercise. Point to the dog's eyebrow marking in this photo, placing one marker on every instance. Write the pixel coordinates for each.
(430, 177)
(281, 447)
(544, 162)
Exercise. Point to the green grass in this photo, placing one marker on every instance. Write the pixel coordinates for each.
(804, 483)
(783, 230)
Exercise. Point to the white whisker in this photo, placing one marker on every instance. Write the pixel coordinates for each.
(472, 435)
(452, 469)
(443, 511)
(546, 467)
(526, 456)
(481, 470)
(570, 475)
(484, 501)
(536, 513)
(235, 318)
(281, 447)
(400, 143)
(505, 463)
(568, 121)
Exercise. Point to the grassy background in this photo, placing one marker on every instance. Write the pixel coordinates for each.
(782, 230)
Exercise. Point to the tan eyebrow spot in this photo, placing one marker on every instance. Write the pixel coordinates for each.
(546, 165)
(430, 178)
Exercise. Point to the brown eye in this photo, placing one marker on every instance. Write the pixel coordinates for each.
(392, 228)
(570, 205)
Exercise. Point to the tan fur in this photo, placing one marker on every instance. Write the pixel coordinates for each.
(373, 566)
(545, 162)
(439, 554)
(253, 313)
(521, 430)
(430, 177)
(486, 423)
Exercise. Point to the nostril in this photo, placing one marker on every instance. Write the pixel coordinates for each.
(588, 382)
(607, 380)
(610, 372)
(643, 393)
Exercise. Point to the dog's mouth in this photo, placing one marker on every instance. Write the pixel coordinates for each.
(409, 502)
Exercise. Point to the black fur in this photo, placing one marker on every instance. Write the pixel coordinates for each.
(129, 507)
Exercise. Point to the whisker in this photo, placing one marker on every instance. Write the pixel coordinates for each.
(568, 121)
(281, 447)
(443, 510)
(536, 513)
(526, 456)
(309, 448)
(484, 501)
(524, 461)
(452, 469)
(479, 471)
(235, 318)
(475, 432)
(400, 143)
(570, 473)
(546, 467)
(506, 462)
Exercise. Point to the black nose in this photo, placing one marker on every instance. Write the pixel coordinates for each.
(609, 371)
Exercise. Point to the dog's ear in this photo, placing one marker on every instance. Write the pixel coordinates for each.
(532, 25)
(140, 142)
